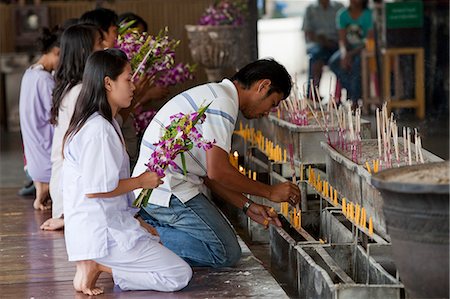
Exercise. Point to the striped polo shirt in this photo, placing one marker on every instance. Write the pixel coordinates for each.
(219, 125)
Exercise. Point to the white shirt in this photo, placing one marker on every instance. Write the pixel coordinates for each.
(65, 113)
(219, 125)
(95, 160)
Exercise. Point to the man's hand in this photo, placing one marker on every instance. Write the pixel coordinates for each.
(286, 191)
(263, 215)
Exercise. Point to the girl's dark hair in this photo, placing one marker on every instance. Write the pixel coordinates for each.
(129, 16)
(101, 64)
(100, 17)
(77, 43)
(265, 69)
(49, 39)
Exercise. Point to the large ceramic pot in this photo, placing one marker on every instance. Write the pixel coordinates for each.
(215, 48)
(416, 208)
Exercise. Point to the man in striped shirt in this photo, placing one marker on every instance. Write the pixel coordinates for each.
(188, 222)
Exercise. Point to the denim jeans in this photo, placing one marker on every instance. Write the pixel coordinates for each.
(349, 79)
(196, 231)
(317, 54)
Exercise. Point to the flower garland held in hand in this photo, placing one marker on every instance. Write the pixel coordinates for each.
(179, 136)
(225, 12)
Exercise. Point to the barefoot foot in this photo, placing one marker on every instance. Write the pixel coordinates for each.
(86, 277)
(53, 224)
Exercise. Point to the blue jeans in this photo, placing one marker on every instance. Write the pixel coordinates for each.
(317, 54)
(349, 79)
(196, 231)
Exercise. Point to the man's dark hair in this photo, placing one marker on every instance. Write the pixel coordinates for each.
(103, 18)
(265, 69)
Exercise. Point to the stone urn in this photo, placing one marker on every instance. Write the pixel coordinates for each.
(215, 48)
(416, 208)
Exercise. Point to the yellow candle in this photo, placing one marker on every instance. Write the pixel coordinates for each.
(285, 156)
(368, 167)
(357, 214)
(331, 192)
(249, 174)
(352, 214)
(278, 113)
(370, 226)
(363, 217)
(335, 198)
(254, 175)
(344, 207)
(348, 211)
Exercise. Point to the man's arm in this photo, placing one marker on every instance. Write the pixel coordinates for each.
(221, 171)
(259, 213)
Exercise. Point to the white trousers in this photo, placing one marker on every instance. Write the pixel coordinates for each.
(148, 266)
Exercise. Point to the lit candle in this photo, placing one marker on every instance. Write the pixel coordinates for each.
(235, 159)
(254, 175)
(241, 169)
(249, 173)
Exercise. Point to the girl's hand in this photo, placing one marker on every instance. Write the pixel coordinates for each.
(263, 215)
(149, 180)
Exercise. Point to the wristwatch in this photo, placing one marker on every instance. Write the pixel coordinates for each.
(246, 206)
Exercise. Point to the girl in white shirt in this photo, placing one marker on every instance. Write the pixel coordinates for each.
(100, 231)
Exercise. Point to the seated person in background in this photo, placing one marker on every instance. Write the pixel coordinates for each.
(355, 25)
(321, 36)
(188, 222)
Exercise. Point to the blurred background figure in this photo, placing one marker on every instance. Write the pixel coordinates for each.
(321, 36)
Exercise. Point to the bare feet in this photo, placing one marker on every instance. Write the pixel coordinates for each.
(86, 276)
(53, 224)
(42, 201)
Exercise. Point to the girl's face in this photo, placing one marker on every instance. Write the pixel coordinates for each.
(110, 36)
(120, 91)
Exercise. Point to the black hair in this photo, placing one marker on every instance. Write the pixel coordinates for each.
(100, 17)
(101, 64)
(49, 39)
(77, 43)
(70, 22)
(129, 16)
(281, 81)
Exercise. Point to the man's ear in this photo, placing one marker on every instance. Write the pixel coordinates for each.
(264, 85)
(107, 82)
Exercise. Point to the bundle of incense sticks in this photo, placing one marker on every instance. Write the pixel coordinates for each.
(387, 139)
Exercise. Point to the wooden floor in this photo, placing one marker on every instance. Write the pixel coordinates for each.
(33, 263)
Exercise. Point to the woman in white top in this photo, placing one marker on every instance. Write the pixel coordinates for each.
(100, 231)
(77, 43)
